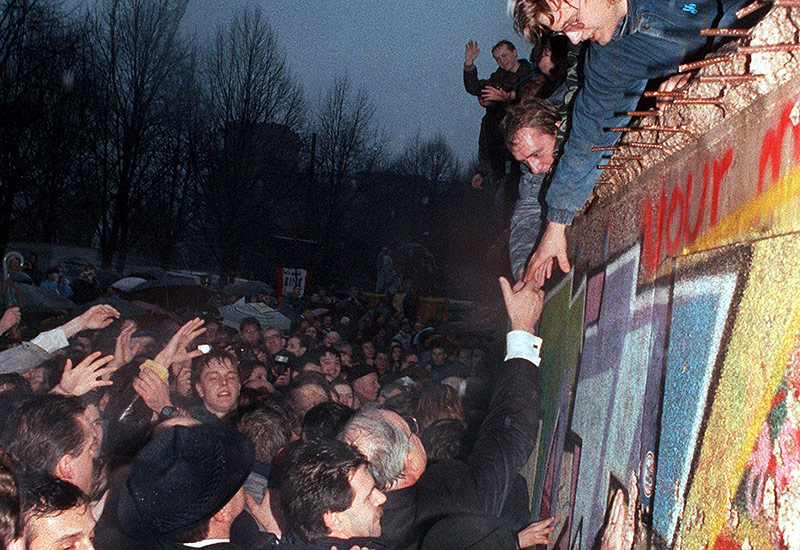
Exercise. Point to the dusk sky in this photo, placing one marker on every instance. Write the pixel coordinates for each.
(408, 55)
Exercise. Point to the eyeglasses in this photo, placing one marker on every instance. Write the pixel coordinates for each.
(571, 24)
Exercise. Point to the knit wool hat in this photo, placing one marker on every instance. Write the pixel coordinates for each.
(359, 371)
(182, 478)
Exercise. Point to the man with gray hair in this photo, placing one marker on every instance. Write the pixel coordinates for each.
(417, 496)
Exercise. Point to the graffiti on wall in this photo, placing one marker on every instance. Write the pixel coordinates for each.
(675, 357)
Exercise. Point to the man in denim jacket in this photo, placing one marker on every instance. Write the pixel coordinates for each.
(633, 41)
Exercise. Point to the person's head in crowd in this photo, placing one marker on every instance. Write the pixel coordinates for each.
(273, 339)
(55, 514)
(505, 53)
(185, 486)
(550, 55)
(465, 356)
(307, 390)
(299, 344)
(36, 379)
(53, 274)
(438, 353)
(332, 338)
(382, 362)
(148, 342)
(396, 456)
(250, 331)
(268, 428)
(11, 527)
(530, 129)
(368, 347)
(309, 363)
(344, 393)
(346, 354)
(311, 332)
(364, 380)
(392, 389)
(408, 358)
(327, 322)
(405, 404)
(260, 353)
(444, 439)
(326, 491)
(329, 361)
(215, 377)
(51, 434)
(12, 381)
(436, 402)
(182, 378)
(396, 351)
(254, 374)
(325, 421)
(212, 329)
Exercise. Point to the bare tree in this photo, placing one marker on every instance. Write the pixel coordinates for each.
(254, 148)
(138, 55)
(350, 143)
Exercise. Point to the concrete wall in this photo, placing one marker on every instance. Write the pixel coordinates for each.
(672, 350)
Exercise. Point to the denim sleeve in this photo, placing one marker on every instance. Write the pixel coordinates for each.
(526, 221)
(612, 86)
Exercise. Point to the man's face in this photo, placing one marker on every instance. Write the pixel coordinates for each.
(71, 529)
(211, 330)
(506, 59)
(312, 332)
(369, 349)
(331, 366)
(367, 387)
(382, 362)
(534, 148)
(250, 334)
(258, 379)
(581, 20)
(410, 358)
(293, 346)
(273, 340)
(344, 394)
(219, 387)
(437, 356)
(363, 517)
(82, 465)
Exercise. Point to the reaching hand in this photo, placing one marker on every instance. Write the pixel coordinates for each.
(124, 351)
(154, 390)
(490, 93)
(471, 52)
(524, 303)
(10, 318)
(553, 245)
(175, 350)
(621, 527)
(96, 317)
(536, 533)
(675, 83)
(86, 376)
(263, 513)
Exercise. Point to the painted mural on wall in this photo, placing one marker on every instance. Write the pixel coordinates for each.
(673, 350)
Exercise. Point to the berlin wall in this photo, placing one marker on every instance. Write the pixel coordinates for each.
(672, 359)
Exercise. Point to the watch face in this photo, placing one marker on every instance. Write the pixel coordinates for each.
(167, 411)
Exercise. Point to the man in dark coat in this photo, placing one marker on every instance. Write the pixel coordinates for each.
(418, 496)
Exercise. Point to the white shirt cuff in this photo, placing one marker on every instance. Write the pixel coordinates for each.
(521, 344)
(51, 340)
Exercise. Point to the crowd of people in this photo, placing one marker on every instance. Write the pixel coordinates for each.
(371, 433)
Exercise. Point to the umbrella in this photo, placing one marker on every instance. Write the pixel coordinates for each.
(40, 300)
(126, 309)
(171, 294)
(127, 284)
(158, 312)
(107, 276)
(247, 288)
(233, 314)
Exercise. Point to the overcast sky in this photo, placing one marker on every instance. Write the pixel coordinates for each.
(408, 54)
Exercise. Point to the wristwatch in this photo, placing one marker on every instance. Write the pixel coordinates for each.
(167, 412)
